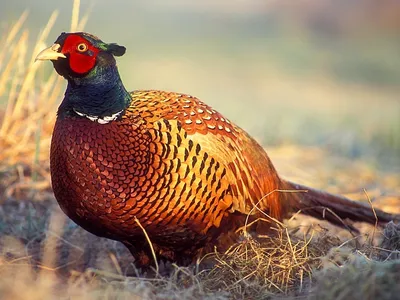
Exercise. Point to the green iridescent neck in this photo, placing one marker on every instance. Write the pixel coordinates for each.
(100, 93)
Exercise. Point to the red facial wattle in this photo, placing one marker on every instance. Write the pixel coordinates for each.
(79, 62)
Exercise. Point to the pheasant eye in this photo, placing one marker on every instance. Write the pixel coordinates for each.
(82, 47)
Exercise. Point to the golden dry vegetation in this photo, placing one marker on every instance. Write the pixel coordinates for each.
(43, 255)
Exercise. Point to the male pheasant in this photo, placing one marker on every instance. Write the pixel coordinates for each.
(163, 163)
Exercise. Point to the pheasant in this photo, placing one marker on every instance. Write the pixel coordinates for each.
(126, 165)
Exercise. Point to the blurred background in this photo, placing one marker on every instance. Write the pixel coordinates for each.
(322, 73)
(316, 82)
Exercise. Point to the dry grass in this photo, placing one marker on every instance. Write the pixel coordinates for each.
(40, 248)
(68, 259)
(379, 280)
(295, 260)
(27, 115)
(45, 256)
(31, 97)
(265, 266)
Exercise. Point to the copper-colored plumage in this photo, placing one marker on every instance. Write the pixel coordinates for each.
(171, 161)
(183, 170)
(164, 161)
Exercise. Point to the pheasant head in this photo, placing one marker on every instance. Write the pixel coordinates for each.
(95, 89)
(80, 54)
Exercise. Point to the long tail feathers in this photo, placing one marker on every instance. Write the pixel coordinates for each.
(334, 208)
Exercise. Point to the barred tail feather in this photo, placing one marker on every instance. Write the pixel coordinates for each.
(334, 208)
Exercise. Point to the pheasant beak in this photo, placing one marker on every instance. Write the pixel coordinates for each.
(50, 53)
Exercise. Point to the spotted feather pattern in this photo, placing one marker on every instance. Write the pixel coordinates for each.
(170, 161)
